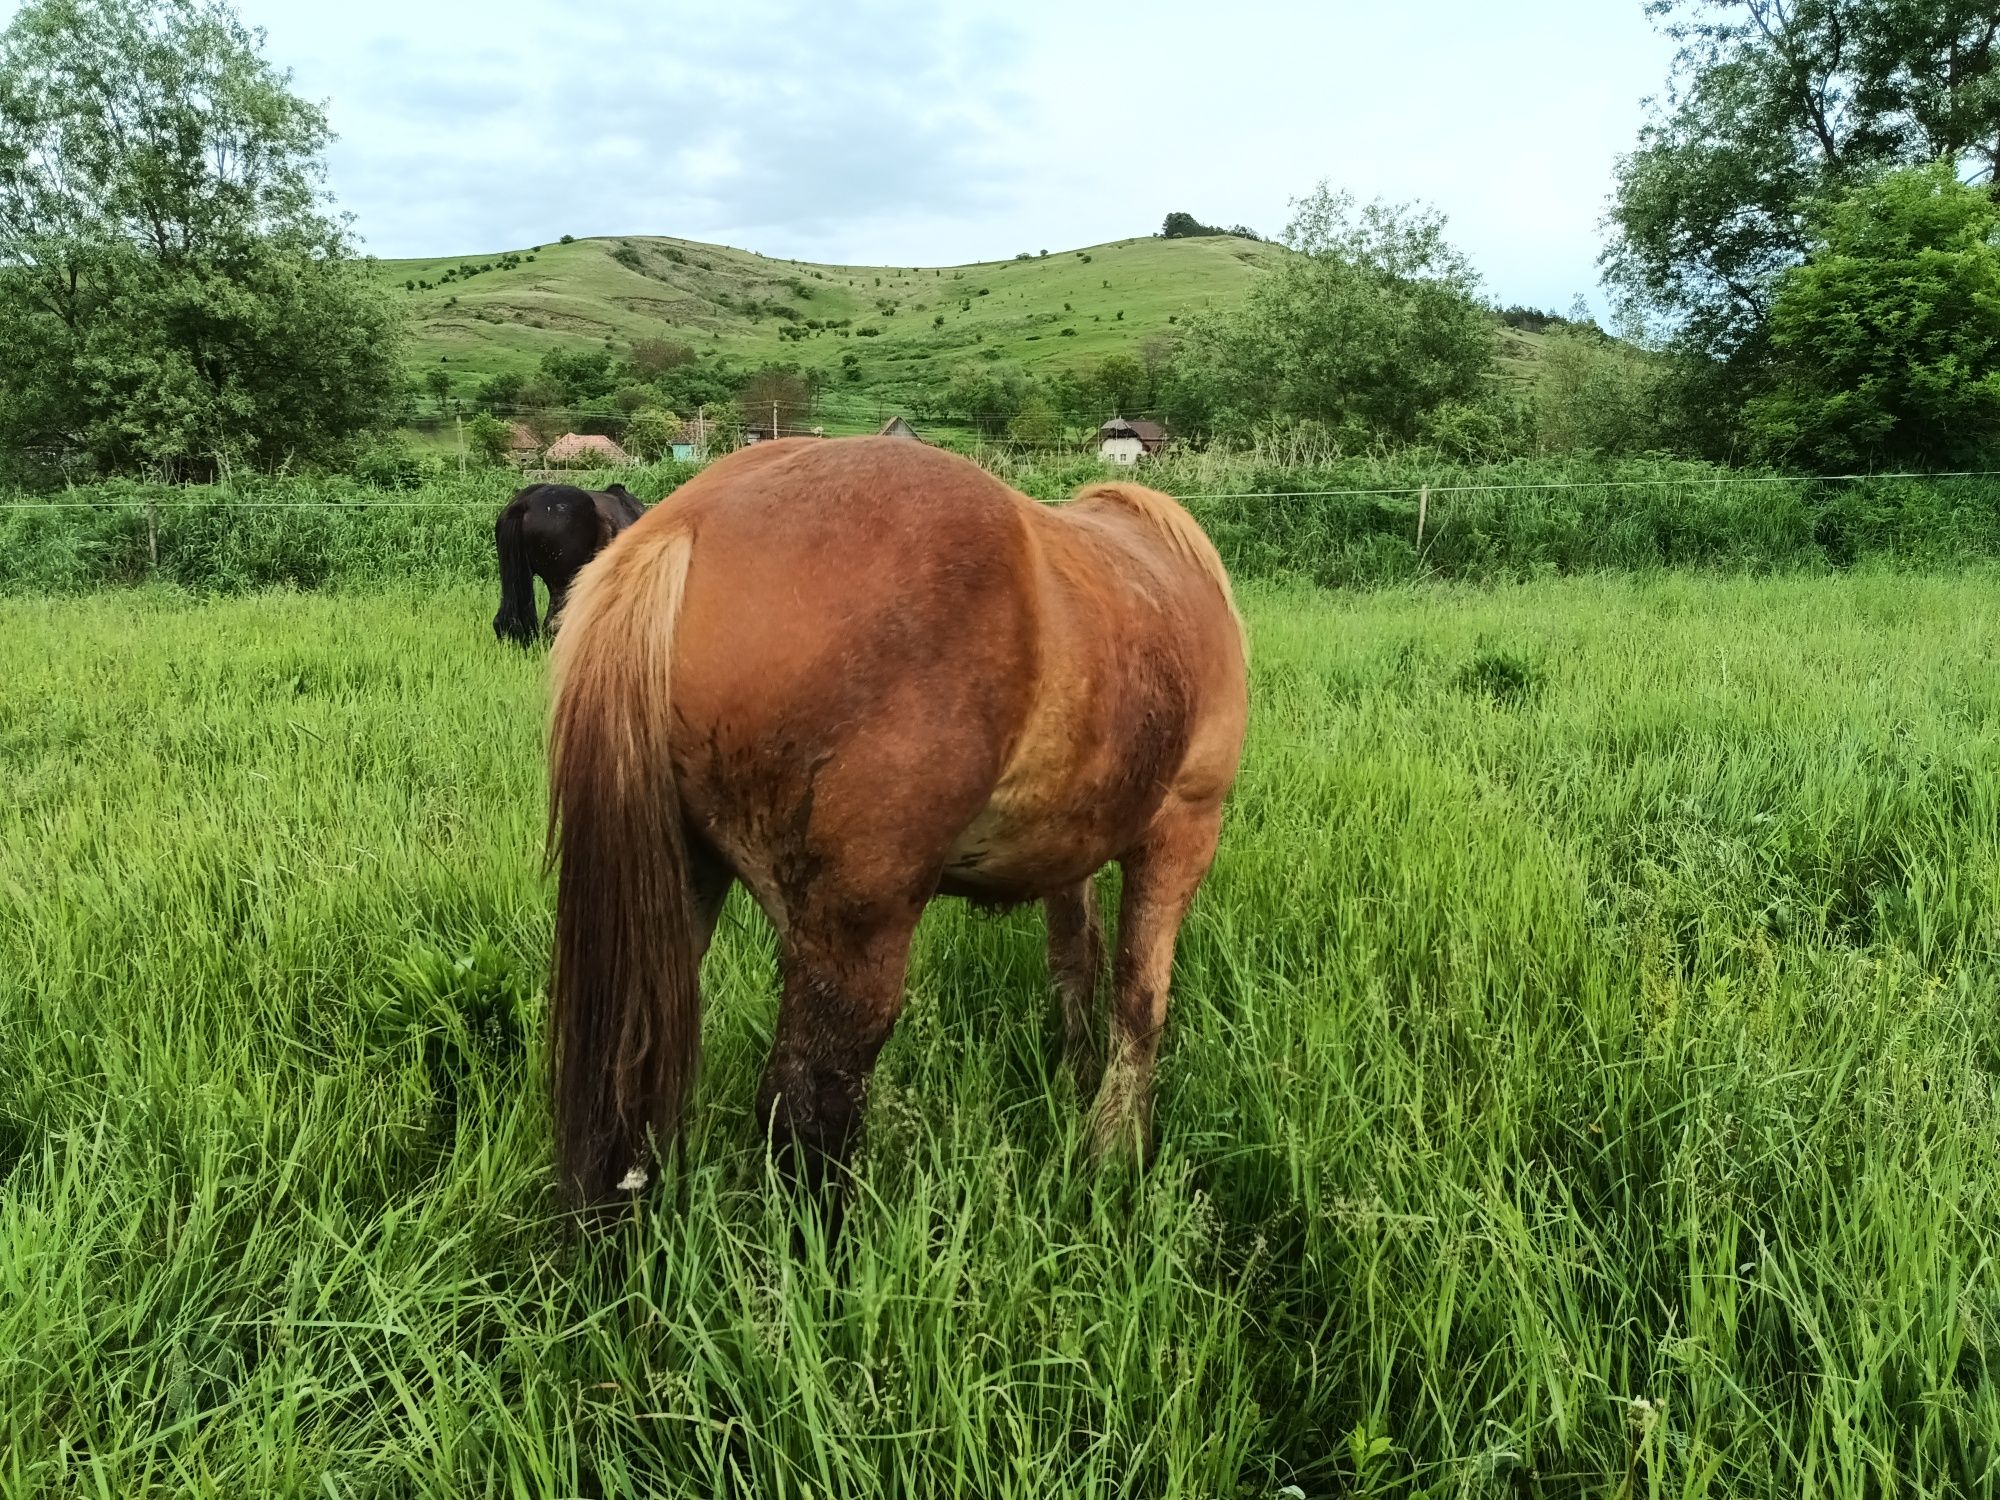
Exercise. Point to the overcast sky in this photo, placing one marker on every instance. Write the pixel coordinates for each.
(922, 133)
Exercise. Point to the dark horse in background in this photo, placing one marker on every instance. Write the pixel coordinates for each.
(550, 531)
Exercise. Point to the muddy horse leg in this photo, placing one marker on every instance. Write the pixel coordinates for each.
(709, 880)
(1161, 877)
(1076, 967)
(843, 989)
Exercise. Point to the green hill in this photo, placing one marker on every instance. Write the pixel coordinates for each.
(906, 325)
(883, 336)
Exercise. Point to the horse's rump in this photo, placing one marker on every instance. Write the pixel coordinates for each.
(886, 674)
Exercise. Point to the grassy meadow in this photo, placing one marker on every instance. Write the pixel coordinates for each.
(1581, 1080)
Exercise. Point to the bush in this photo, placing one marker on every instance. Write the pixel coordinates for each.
(488, 439)
(1885, 343)
(651, 432)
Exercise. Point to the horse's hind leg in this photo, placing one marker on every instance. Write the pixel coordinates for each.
(1161, 877)
(1076, 966)
(843, 990)
(558, 582)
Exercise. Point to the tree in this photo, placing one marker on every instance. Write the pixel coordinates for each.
(1593, 394)
(545, 409)
(1120, 383)
(985, 397)
(498, 392)
(1369, 327)
(651, 432)
(437, 380)
(1036, 422)
(489, 438)
(1885, 343)
(779, 386)
(583, 375)
(173, 289)
(652, 358)
(1776, 105)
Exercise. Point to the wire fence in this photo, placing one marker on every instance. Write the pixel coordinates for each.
(1721, 477)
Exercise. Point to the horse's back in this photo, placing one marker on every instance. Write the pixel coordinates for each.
(856, 647)
(883, 649)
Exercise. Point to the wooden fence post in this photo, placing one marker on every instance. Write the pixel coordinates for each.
(1423, 510)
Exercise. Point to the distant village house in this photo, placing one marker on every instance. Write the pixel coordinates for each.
(586, 450)
(1123, 442)
(896, 427)
(522, 444)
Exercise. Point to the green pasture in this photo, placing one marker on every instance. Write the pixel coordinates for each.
(1580, 1081)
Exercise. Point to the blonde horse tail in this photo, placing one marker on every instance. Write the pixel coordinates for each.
(625, 1024)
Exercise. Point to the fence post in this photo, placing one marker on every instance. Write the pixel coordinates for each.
(1423, 510)
(152, 533)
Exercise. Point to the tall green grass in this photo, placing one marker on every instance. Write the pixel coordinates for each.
(1581, 1080)
(1270, 513)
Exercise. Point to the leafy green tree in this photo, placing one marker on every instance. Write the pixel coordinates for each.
(652, 358)
(584, 376)
(1776, 105)
(489, 438)
(782, 387)
(1593, 394)
(986, 397)
(545, 409)
(1036, 422)
(174, 291)
(497, 392)
(650, 433)
(1120, 383)
(1885, 343)
(437, 380)
(1371, 324)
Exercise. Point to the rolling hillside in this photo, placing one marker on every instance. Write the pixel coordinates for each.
(883, 335)
(905, 325)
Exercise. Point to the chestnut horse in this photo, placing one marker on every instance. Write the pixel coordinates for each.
(551, 531)
(854, 675)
